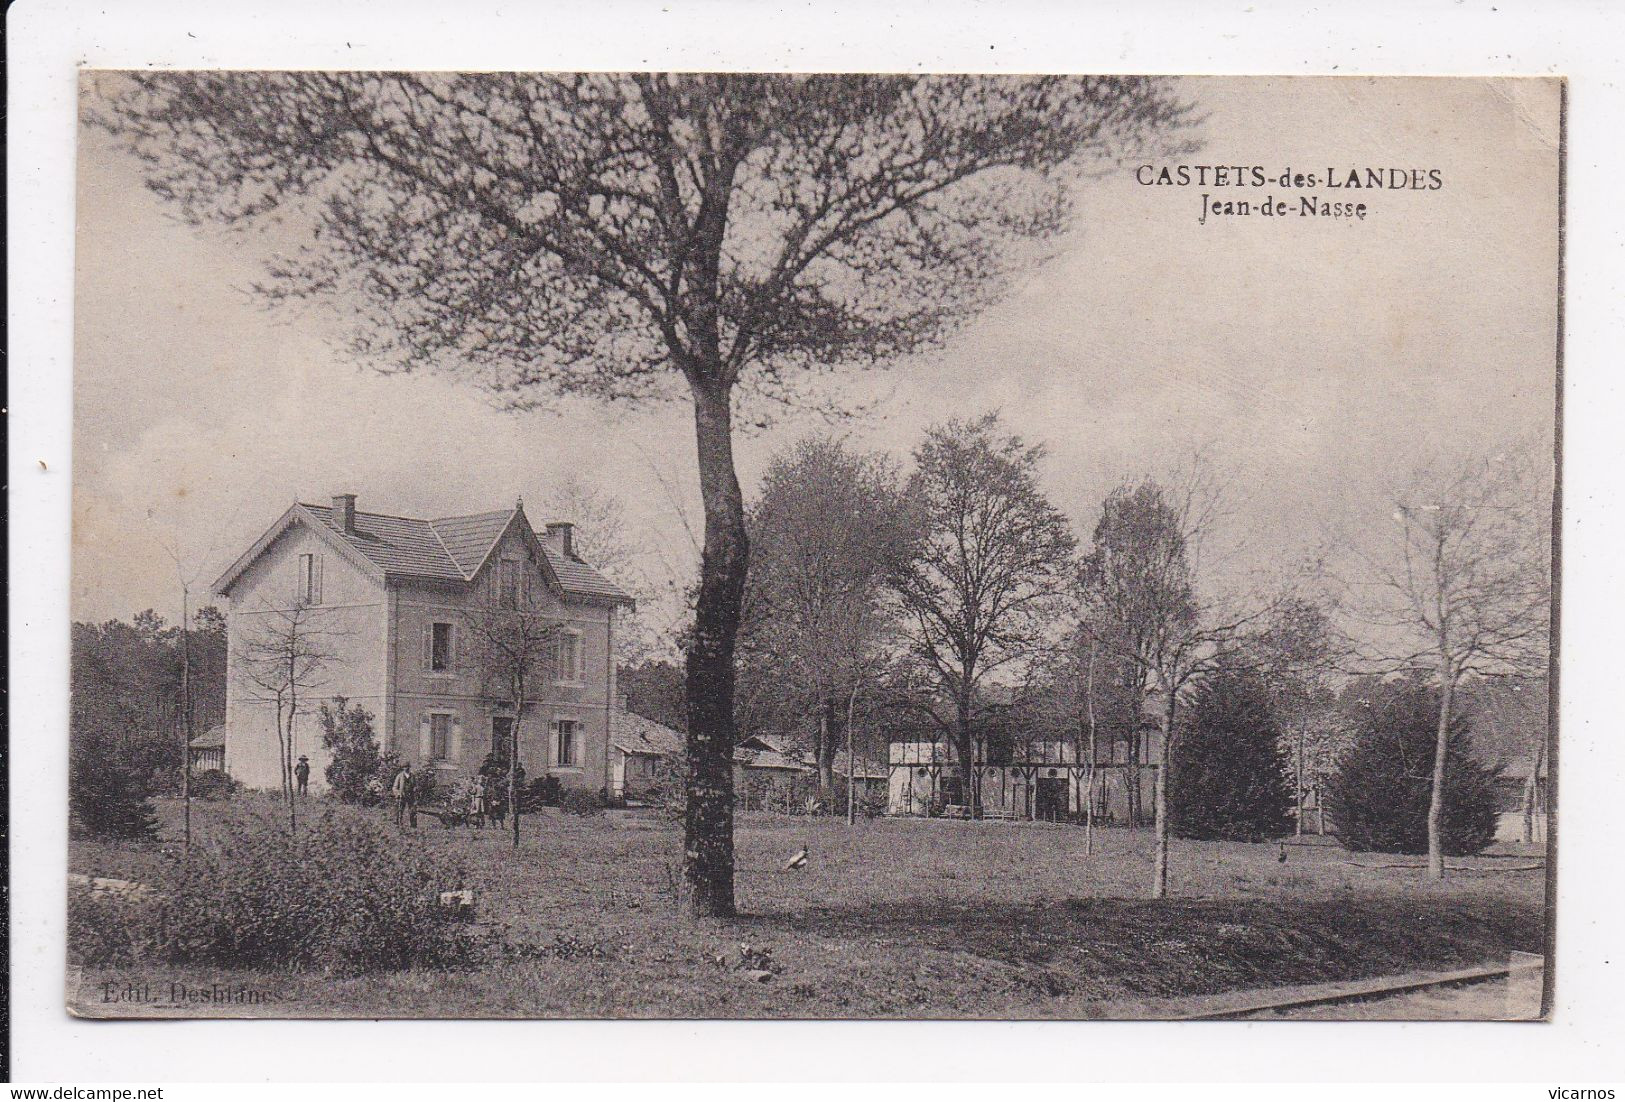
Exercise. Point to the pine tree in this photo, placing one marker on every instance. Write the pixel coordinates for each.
(1378, 797)
(1228, 781)
(107, 793)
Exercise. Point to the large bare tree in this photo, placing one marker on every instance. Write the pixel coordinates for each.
(283, 658)
(984, 586)
(511, 650)
(1463, 587)
(615, 234)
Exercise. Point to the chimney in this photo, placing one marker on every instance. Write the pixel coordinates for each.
(559, 537)
(344, 512)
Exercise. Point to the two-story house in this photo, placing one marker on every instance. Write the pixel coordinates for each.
(388, 603)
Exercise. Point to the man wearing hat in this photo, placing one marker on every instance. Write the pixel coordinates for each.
(301, 774)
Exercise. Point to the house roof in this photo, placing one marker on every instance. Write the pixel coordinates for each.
(635, 734)
(451, 549)
(768, 759)
(212, 739)
(866, 769)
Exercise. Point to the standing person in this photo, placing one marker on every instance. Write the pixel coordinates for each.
(402, 791)
(301, 774)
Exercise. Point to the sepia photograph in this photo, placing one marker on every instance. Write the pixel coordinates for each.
(730, 545)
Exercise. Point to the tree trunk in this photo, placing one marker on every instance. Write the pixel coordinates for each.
(970, 776)
(1089, 770)
(1135, 809)
(1447, 686)
(1297, 828)
(513, 767)
(1159, 872)
(1531, 790)
(851, 761)
(708, 842)
(826, 747)
(186, 722)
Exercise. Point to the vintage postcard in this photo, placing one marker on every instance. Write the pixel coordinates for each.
(636, 545)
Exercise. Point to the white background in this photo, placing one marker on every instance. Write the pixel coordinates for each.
(48, 41)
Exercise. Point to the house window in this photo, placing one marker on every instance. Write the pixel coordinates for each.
(567, 657)
(508, 583)
(308, 590)
(568, 752)
(440, 736)
(438, 658)
(501, 733)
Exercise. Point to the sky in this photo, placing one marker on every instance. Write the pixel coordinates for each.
(1312, 362)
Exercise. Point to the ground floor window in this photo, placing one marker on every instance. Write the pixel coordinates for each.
(567, 750)
(440, 736)
(501, 733)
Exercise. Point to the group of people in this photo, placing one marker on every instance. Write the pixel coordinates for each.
(483, 799)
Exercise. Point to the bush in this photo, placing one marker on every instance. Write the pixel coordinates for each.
(104, 929)
(541, 792)
(213, 784)
(108, 795)
(1228, 780)
(581, 801)
(354, 758)
(345, 895)
(1378, 796)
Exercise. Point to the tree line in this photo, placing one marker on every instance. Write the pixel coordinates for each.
(125, 720)
(957, 601)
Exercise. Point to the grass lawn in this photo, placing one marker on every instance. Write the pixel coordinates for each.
(891, 918)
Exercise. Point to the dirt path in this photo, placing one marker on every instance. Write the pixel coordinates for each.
(1492, 1000)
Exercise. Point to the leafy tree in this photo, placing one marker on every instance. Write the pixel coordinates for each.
(831, 529)
(654, 690)
(1228, 781)
(604, 538)
(354, 758)
(616, 234)
(984, 585)
(1380, 796)
(1295, 654)
(1143, 606)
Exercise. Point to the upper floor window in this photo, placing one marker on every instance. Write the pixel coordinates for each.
(508, 583)
(308, 589)
(567, 657)
(438, 642)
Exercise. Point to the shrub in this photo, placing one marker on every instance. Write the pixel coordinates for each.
(1228, 780)
(213, 784)
(352, 747)
(107, 794)
(104, 929)
(344, 895)
(581, 801)
(668, 796)
(541, 792)
(1378, 796)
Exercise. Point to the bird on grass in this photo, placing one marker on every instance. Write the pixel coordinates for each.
(798, 859)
